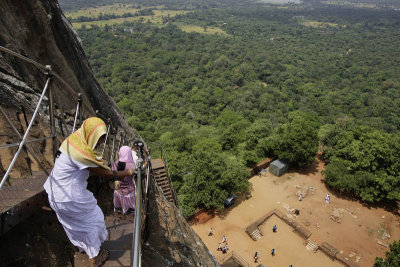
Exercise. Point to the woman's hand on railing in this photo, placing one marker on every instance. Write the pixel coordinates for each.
(131, 171)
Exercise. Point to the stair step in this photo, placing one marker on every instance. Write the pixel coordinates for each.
(159, 167)
(161, 174)
(168, 194)
(256, 234)
(311, 246)
(161, 177)
(163, 183)
(162, 180)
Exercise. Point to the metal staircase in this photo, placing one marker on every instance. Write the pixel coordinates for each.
(162, 179)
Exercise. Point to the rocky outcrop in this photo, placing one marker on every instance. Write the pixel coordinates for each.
(170, 239)
(38, 30)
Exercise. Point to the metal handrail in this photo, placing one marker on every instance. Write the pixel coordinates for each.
(44, 70)
(38, 65)
(136, 247)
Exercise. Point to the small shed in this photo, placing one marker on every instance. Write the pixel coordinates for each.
(278, 167)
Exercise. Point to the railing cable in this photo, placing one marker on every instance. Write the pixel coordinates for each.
(44, 70)
(26, 133)
(26, 143)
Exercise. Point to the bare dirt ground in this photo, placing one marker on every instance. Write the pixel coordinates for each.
(356, 232)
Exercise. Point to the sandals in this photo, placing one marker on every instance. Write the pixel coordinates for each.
(103, 256)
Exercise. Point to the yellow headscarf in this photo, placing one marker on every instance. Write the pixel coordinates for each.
(80, 144)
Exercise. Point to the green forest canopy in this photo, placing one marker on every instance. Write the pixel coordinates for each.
(268, 87)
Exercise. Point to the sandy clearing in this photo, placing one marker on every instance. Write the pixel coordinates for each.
(356, 236)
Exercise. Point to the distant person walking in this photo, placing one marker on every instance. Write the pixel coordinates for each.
(255, 257)
(226, 247)
(273, 252)
(300, 196)
(274, 228)
(328, 198)
(219, 247)
(223, 239)
(210, 233)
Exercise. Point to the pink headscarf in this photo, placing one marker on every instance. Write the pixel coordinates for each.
(125, 155)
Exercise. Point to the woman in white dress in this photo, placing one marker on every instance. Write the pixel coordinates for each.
(75, 206)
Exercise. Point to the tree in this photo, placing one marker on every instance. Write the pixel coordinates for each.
(209, 179)
(392, 257)
(233, 135)
(364, 162)
(296, 141)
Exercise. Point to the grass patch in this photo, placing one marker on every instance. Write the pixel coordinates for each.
(279, 2)
(317, 24)
(200, 29)
(102, 23)
(116, 9)
(346, 3)
(157, 18)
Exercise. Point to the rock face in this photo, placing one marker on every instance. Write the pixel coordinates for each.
(38, 30)
(170, 239)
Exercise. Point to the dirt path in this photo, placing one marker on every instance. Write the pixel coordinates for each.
(355, 237)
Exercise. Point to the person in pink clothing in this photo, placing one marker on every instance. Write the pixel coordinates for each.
(124, 194)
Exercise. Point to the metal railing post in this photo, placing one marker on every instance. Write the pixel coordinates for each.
(136, 258)
(51, 112)
(148, 171)
(119, 145)
(80, 109)
(111, 159)
(76, 113)
(105, 141)
(21, 145)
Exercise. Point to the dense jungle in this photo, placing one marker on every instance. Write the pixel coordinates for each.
(224, 84)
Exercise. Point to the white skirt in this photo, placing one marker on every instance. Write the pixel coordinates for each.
(83, 223)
